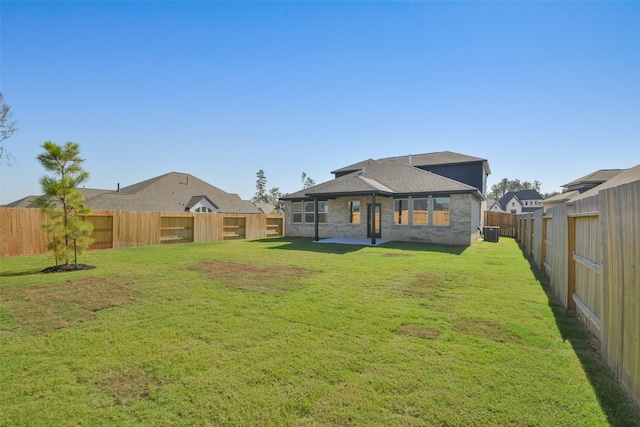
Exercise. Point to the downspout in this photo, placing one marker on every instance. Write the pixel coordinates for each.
(315, 221)
(373, 219)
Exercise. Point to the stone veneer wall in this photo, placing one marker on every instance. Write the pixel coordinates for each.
(462, 230)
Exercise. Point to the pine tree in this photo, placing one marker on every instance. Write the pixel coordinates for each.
(62, 202)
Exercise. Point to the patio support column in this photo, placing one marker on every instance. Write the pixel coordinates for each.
(373, 219)
(315, 221)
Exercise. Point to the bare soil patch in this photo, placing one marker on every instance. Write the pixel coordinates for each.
(275, 281)
(43, 308)
(130, 385)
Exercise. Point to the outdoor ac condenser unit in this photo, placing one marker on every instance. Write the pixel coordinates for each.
(491, 234)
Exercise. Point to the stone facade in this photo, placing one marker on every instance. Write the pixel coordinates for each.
(463, 227)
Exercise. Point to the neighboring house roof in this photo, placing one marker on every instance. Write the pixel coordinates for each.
(493, 204)
(388, 178)
(171, 192)
(31, 201)
(525, 209)
(520, 196)
(625, 176)
(421, 160)
(265, 208)
(593, 179)
(25, 202)
(560, 198)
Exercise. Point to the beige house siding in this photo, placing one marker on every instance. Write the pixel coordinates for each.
(462, 230)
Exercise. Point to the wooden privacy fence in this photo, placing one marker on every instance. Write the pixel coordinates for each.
(21, 230)
(506, 222)
(590, 249)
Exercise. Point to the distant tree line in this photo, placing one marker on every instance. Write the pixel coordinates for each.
(272, 195)
(506, 185)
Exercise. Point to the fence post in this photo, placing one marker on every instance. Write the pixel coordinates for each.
(543, 248)
(571, 264)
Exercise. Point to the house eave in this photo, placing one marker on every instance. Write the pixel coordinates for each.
(349, 193)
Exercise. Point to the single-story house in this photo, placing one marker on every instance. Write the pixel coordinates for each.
(171, 192)
(392, 199)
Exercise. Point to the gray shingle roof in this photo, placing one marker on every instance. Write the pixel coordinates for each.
(171, 192)
(625, 176)
(597, 177)
(386, 177)
(560, 197)
(31, 201)
(418, 160)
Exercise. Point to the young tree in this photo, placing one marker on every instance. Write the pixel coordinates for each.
(307, 181)
(274, 195)
(7, 128)
(262, 194)
(261, 188)
(62, 202)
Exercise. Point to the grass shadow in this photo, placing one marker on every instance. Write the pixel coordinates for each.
(20, 273)
(614, 400)
(307, 244)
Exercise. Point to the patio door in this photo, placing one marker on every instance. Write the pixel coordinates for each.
(370, 217)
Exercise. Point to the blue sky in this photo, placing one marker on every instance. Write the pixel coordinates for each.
(546, 91)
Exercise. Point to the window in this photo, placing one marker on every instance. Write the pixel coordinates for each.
(420, 211)
(309, 212)
(296, 212)
(323, 211)
(354, 212)
(203, 209)
(401, 211)
(441, 210)
(304, 212)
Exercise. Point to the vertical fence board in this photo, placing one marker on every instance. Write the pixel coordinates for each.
(506, 221)
(621, 323)
(537, 238)
(21, 230)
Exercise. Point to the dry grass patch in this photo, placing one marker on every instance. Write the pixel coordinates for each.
(276, 280)
(426, 284)
(484, 329)
(43, 308)
(130, 385)
(419, 331)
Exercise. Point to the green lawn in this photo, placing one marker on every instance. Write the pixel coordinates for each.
(295, 333)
